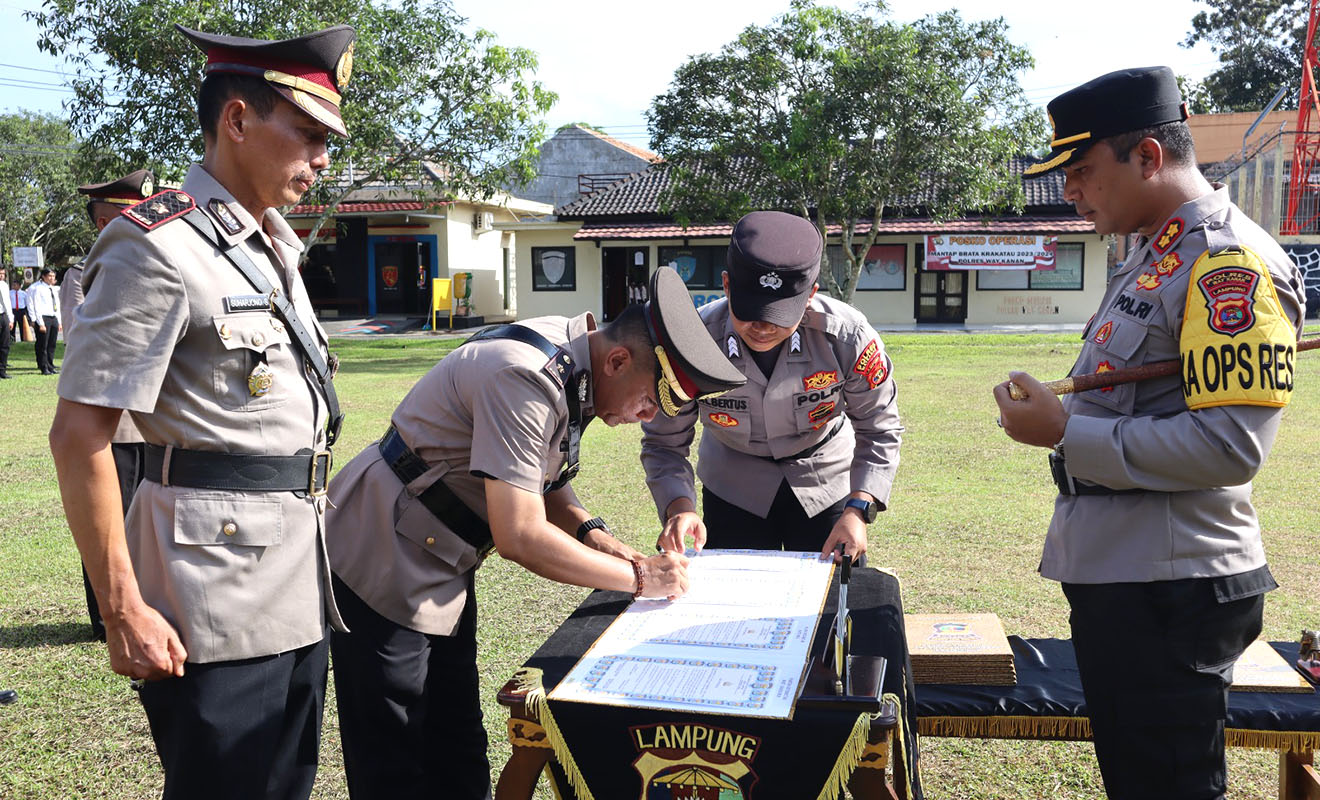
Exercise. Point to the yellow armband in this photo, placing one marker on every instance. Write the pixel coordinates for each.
(1237, 345)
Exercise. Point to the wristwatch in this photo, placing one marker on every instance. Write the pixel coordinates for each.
(869, 508)
(593, 524)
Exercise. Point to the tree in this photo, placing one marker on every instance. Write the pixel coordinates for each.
(39, 201)
(425, 95)
(1260, 46)
(840, 116)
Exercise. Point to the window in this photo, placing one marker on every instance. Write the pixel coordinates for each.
(883, 270)
(554, 269)
(699, 267)
(1066, 275)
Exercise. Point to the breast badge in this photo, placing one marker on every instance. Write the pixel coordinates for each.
(1104, 366)
(723, 420)
(1148, 280)
(1168, 265)
(261, 380)
(819, 380)
(1102, 335)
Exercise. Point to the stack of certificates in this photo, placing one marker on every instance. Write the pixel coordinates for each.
(960, 648)
(1262, 669)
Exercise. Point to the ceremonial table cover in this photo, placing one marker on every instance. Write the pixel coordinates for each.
(1047, 703)
(612, 752)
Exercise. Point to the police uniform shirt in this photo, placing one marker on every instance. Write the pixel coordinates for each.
(71, 296)
(170, 332)
(833, 372)
(1197, 519)
(488, 409)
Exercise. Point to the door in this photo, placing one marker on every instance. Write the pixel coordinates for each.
(614, 281)
(941, 296)
(403, 280)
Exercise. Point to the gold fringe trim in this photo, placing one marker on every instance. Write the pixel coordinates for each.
(875, 756)
(525, 733)
(848, 759)
(1061, 728)
(528, 679)
(1079, 729)
(901, 739)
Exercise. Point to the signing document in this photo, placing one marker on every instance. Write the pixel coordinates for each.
(737, 643)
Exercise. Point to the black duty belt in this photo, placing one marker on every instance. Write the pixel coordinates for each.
(810, 451)
(438, 498)
(1071, 488)
(304, 473)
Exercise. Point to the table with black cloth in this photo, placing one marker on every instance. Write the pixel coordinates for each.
(608, 752)
(1047, 704)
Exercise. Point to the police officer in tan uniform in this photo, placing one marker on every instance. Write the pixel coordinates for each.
(105, 201)
(215, 590)
(1154, 537)
(803, 456)
(479, 455)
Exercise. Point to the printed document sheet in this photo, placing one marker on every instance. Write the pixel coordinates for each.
(736, 643)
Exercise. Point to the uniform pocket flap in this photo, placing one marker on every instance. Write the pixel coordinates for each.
(418, 525)
(1120, 338)
(228, 519)
(250, 331)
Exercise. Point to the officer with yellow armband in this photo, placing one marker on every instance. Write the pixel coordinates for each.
(1154, 537)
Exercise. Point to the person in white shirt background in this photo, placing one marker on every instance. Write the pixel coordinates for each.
(44, 311)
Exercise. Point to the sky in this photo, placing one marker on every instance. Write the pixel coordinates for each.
(607, 59)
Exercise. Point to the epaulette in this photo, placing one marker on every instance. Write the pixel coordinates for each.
(558, 367)
(160, 208)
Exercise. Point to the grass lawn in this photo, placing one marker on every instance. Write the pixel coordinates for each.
(964, 532)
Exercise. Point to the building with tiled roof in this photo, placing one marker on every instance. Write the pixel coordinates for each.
(600, 249)
(577, 161)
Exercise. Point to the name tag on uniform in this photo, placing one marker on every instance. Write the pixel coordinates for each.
(246, 302)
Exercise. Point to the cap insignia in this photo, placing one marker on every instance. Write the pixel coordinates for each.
(147, 187)
(733, 346)
(772, 281)
(344, 69)
(220, 210)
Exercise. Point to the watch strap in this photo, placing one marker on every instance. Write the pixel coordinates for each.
(593, 524)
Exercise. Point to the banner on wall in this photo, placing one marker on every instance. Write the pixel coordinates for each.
(990, 251)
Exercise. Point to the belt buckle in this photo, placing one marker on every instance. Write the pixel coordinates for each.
(312, 491)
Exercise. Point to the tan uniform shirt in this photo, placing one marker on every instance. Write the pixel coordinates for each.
(71, 296)
(488, 409)
(1197, 519)
(239, 574)
(833, 371)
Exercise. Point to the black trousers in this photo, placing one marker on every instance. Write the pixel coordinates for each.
(786, 528)
(6, 338)
(1155, 661)
(241, 730)
(46, 344)
(409, 706)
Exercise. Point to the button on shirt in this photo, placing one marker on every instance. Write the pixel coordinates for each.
(1142, 435)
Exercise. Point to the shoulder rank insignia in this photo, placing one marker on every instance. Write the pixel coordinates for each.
(220, 210)
(558, 366)
(1237, 343)
(160, 208)
(1172, 229)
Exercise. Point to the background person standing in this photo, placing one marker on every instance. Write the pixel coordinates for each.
(6, 325)
(44, 311)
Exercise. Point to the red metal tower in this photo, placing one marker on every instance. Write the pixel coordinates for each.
(1304, 181)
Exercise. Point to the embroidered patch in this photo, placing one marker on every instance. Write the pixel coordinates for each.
(866, 361)
(1132, 306)
(246, 302)
(821, 412)
(733, 346)
(723, 420)
(160, 208)
(880, 374)
(1148, 280)
(795, 345)
(1169, 234)
(819, 380)
(1102, 335)
(1104, 366)
(1237, 343)
(772, 281)
(1168, 265)
(227, 220)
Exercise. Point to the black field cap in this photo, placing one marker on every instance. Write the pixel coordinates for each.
(310, 71)
(133, 188)
(1122, 101)
(689, 363)
(773, 261)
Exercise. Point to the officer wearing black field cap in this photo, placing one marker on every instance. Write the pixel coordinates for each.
(479, 455)
(803, 455)
(1154, 537)
(104, 202)
(215, 590)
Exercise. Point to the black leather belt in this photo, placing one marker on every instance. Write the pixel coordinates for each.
(1071, 488)
(304, 473)
(810, 451)
(438, 498)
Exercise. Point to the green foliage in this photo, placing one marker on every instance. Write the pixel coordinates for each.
(838, 116)
(425, 97)
(1260, 46)
(39, 202)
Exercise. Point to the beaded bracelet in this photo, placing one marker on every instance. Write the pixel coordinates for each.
(637, 573)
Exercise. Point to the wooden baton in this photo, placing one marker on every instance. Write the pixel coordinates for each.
(1101, 380)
